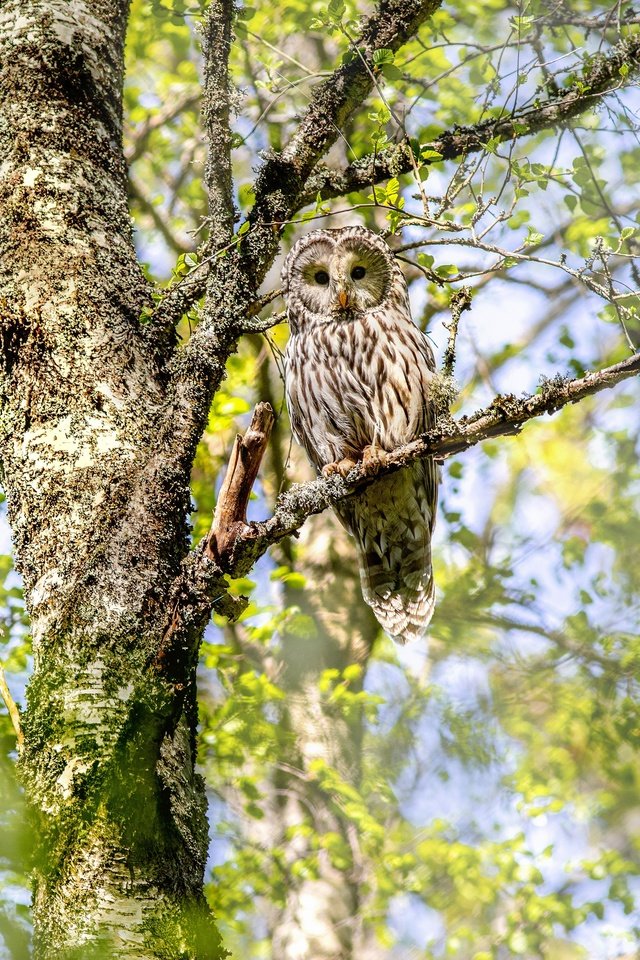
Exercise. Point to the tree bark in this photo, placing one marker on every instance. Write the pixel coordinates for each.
(321, 917)
(108, 760)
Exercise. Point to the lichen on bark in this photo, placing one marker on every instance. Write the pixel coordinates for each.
(99, 528)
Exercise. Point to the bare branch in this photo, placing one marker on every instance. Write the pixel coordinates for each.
(230, 517)
(12, 709)
(460, 301)
(563, 16)
(601, 79)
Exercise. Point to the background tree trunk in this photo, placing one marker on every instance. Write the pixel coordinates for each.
(96, 545)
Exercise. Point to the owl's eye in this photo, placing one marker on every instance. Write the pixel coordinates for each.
(358, 273)
(321, 277)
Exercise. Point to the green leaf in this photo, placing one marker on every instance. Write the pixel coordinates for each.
(383, 55)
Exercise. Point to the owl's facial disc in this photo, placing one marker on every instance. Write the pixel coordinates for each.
(342, 280)
(361, 277)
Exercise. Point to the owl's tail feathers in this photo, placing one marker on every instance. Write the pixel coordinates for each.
(404, 613)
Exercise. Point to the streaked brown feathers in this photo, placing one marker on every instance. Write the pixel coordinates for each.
(359, 376)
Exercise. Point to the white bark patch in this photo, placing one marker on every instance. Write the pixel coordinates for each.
(87, 705)
(71, 444)
(72, 22)
(30, 176)
(114, 906)
(41, 592)
(66, 778)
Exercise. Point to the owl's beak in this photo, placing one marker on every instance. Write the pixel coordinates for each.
(343, 299)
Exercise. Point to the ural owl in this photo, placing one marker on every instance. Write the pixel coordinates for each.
(358, 376)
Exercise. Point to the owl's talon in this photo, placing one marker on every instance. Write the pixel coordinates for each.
(371, 457)
(341, 467)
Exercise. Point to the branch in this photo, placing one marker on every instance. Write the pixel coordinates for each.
(216, 111)
(602, 78)
(201, 585)
(12, 709)
(156, 120)
(233, 546)
(460, 301)
(506, 415)
(281, 181)
(182, 295)
(563, 16)
(230, 517)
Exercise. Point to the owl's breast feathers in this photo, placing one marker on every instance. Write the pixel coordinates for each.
(352, 383)
(358, 382)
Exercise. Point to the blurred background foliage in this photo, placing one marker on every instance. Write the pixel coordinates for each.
(476, 797)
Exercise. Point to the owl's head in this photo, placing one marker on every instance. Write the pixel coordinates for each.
(333, 274)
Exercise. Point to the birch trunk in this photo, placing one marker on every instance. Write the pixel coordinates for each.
(108, 764)
(321, 918)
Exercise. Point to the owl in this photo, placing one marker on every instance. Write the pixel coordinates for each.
(358, 378)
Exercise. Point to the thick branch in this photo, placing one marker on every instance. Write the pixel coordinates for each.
(504, 416)
(602, 78)
(216, 111)
(283, 176)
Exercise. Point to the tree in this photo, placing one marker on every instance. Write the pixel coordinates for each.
(503, 133)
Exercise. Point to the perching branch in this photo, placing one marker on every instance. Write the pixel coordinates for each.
(601, 78)
(202, 586)
(505, 415)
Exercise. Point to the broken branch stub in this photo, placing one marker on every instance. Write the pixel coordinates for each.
(230, 515)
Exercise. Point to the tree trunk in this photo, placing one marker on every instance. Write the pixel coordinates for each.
(321, 917)
(108, 763)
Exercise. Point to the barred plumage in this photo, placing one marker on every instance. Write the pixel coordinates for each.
(358, 374)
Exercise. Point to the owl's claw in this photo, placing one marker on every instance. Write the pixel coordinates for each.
(340, 466)
(371, 456)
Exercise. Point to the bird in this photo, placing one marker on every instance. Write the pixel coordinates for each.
(360, 377)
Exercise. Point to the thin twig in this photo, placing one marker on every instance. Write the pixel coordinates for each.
(460, 301)
(12, 709)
